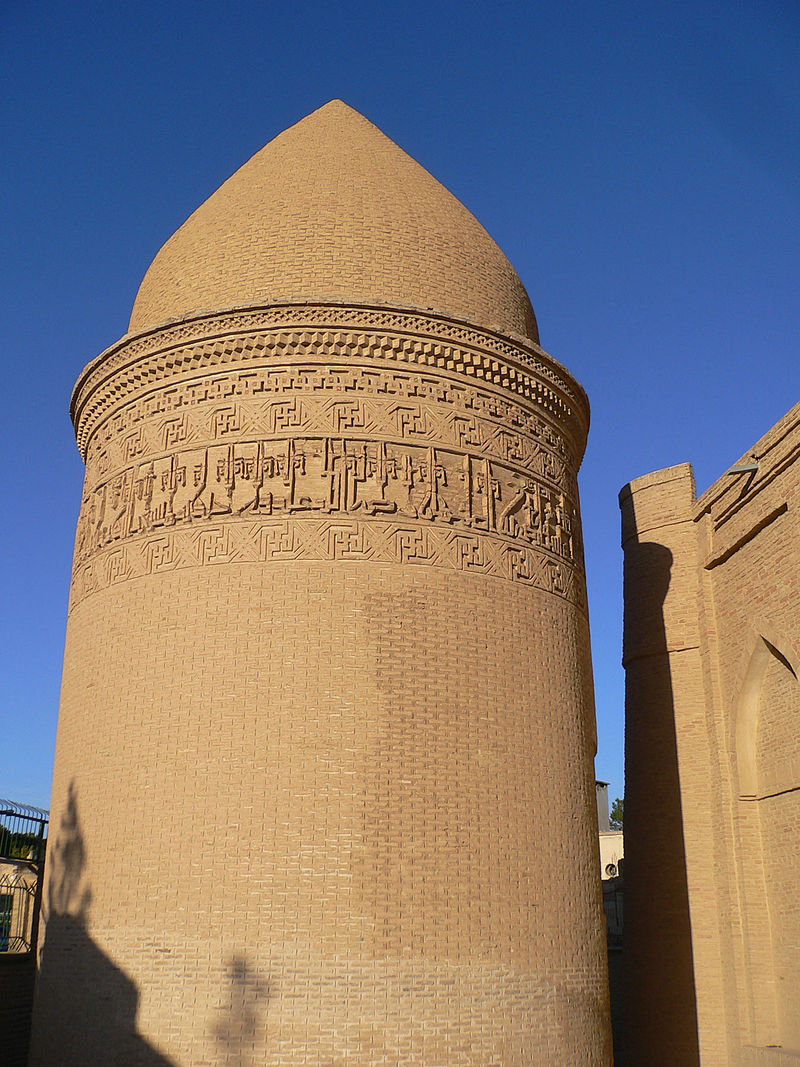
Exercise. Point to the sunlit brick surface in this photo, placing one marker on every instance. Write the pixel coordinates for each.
(331, 209)
(712, 830)
(323, 789)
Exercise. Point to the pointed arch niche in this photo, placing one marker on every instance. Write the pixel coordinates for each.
(767, 747)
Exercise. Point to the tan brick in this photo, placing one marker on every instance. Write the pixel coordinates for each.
(712, 833)
(324, 788)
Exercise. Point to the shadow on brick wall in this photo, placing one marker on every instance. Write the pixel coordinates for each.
(659, 1011)
(85, 1007)
(237, 1030)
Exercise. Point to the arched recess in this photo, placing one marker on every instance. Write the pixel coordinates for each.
(767, 749)
(768, 648)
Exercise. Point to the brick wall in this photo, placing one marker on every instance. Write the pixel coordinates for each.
(326, 732)
(732, 709)
(324, 786)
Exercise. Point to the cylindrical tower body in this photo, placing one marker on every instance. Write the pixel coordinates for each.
(323, 788)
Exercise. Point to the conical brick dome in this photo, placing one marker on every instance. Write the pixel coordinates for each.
(332, 210)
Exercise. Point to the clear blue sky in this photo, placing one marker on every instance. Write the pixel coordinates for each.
(639, 163)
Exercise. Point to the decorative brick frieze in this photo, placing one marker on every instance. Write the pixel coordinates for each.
(326, 334)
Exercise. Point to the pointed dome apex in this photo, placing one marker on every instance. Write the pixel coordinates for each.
(332, 210)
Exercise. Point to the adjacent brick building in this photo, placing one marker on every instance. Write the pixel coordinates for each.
(324, 788)
(712, 758)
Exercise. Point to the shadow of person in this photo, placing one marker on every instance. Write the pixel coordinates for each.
(237, 1028)
(85, 1006)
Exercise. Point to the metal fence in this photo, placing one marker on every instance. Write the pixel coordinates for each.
(23, 831)
(23, 838)
(17, 912)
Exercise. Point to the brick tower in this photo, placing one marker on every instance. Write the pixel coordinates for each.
(323, 787)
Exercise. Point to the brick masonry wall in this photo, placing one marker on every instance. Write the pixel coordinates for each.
(738, 774)
(751, 530)
(324, 787)
(663, 686)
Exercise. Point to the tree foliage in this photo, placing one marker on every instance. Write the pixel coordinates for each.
(616, 814)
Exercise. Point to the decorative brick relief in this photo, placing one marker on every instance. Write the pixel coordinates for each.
(201, 448)
(328, 540)
(386, 496)
(173, 356)
(312, 401)
(298, 316)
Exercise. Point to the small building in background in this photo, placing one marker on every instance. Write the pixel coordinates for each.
(611, 847)
(611, 856)
(611, 873)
